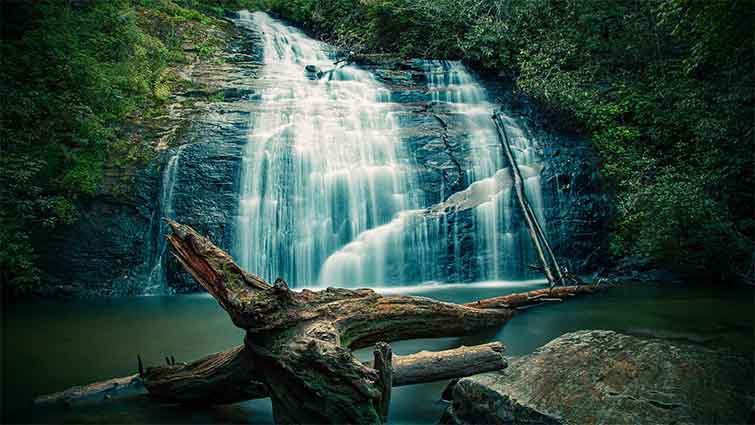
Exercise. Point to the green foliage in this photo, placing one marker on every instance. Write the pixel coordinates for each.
(673, 220)
(17, 259)
(663, 88)
(75, 82)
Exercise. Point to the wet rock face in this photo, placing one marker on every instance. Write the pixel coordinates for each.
(593, 377)
(110, 250)
(577, 207)
(208, 174)
(103, 252)
(205, 194)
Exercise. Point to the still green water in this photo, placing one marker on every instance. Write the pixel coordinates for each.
(50, 345)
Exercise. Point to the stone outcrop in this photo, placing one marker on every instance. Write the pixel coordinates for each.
(599, 377)
(111, 248)
(103, 252)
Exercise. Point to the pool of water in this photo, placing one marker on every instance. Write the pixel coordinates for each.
(51, 345)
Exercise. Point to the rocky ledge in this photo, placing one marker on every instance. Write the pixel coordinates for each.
(599, 377)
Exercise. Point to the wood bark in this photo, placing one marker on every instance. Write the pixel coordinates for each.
(383, 364)
(522, 200)
(93, 391)
(223, 378)
(300, 342)
(533, 297)
(427, 366)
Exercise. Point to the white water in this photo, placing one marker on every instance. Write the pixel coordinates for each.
(501, 250)
(322, 165)
(156, 282)
(411, 244)
(328, 195)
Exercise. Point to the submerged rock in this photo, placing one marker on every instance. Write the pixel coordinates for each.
(596, 377)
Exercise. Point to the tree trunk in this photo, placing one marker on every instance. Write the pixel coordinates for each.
(226, 378)
(427, 366)
(93, 391)
(383, 363)
(515, 301)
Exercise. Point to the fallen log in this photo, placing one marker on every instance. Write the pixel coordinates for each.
(191, 383)
(383, 364)
(226, 377)
(427, 366)
(300, 342)
(550, 264)
(297, 348)
(533, 297)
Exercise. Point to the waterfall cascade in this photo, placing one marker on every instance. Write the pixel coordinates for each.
(329, 194)
(501, 252)
(156, 283)
(323, 163)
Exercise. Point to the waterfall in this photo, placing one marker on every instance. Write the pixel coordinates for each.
(501, 250)
(323, 162)
(329, 195)
(156, 282)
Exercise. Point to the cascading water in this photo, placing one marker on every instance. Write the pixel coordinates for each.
(329, 195)
(412, 243)
(500, 248)
(156, 282)
(323, 163)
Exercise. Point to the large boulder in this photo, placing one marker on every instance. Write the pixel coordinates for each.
(599, 377)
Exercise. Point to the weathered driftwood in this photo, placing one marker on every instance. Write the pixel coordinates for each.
(226, 377)
(93, 391)
(533, 297)
(428, 366)
(297, 348)
(300, 342)
(383, 364)
(222, 378)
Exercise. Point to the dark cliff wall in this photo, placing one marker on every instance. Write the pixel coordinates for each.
(104, 252)
(205, 194)
(110, 249)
